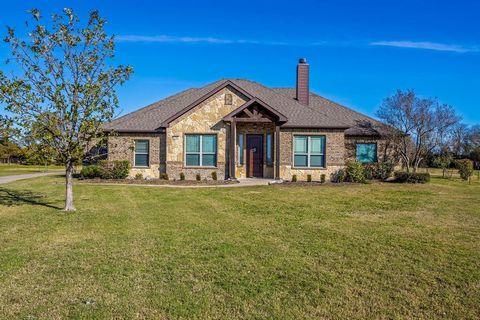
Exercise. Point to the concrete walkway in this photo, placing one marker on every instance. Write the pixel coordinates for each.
(7, 179)
(247, 182)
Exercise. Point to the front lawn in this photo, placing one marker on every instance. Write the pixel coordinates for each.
(272, 252)
(14, 169)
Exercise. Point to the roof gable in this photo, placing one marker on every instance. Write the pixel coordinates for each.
(204, 97)
(255, 101)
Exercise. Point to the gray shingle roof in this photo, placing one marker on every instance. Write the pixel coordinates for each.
(358, 123)
(320, 113)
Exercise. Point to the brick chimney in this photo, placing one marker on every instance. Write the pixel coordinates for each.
(302, 81)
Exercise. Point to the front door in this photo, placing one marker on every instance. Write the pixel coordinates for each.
(254, 155)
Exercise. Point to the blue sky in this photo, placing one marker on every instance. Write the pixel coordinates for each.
(359, 51)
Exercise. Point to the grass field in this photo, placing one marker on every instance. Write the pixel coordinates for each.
(14, 169)
(354, 251)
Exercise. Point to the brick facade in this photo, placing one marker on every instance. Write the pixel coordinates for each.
(383, 153)
(334, 154)
(121, 147)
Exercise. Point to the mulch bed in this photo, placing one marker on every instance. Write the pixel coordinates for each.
(316, 183)
(160, 182)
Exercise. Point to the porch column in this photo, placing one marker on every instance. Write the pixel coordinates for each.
(277, 151)
(233, 127)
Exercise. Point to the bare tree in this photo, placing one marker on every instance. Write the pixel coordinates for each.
(418, 126)
(66, 85)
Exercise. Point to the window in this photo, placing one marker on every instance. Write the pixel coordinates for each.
(201, 150)
(309, 151)
(240, 149)
(228, 99)
(269, 150)
(366, 152)
(142, 149)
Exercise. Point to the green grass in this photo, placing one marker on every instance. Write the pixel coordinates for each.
(355, 251)
(14, 169)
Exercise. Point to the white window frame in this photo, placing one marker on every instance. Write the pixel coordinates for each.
(147, 153)
(308, 153)
(200, 153)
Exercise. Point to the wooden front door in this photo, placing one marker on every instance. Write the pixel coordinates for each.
(254, 155)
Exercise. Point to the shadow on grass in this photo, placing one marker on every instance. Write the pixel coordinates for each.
(11, 197)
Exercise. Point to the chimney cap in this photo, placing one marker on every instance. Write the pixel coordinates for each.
(302, 60)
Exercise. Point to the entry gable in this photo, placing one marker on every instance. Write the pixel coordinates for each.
(255, 110)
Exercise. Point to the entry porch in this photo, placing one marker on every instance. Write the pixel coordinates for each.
(254, 141)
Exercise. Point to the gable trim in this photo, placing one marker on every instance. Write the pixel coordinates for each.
(195, 103)
(229, 117)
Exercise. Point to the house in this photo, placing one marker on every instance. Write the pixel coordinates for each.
(240, 128)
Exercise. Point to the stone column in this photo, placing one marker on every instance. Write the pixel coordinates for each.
(277, 152)
(233, 127)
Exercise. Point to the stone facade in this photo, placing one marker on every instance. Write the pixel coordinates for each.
(121, 147)
(334, 154)
(167, 149)
(206, 118)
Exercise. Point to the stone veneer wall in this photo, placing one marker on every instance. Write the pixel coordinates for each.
(254, 128)
(121, 147)
(335, 153)
(203, 119)
(351, 147)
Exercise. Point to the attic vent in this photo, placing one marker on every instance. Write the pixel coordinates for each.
(228, 99)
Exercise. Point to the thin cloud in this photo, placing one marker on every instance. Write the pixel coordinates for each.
(426, 46)
(328, 43)
(174, 39)
(205, 40)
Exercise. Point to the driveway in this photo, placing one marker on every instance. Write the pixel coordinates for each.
(7, 179)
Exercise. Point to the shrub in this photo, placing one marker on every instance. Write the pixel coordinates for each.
(294, 178)
(90, 172)
(370, 170)
(411, 177)
(384, 170)
(214, 175)
(139, 176)
(164, 176)
(443, 162)
(113, 169)
(465, 168)
(309, 178)
(355, 172)
(197, 177)
(339, 176)
(182, 176)
(322, 178)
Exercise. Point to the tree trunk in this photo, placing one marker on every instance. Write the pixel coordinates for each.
(69, 188)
